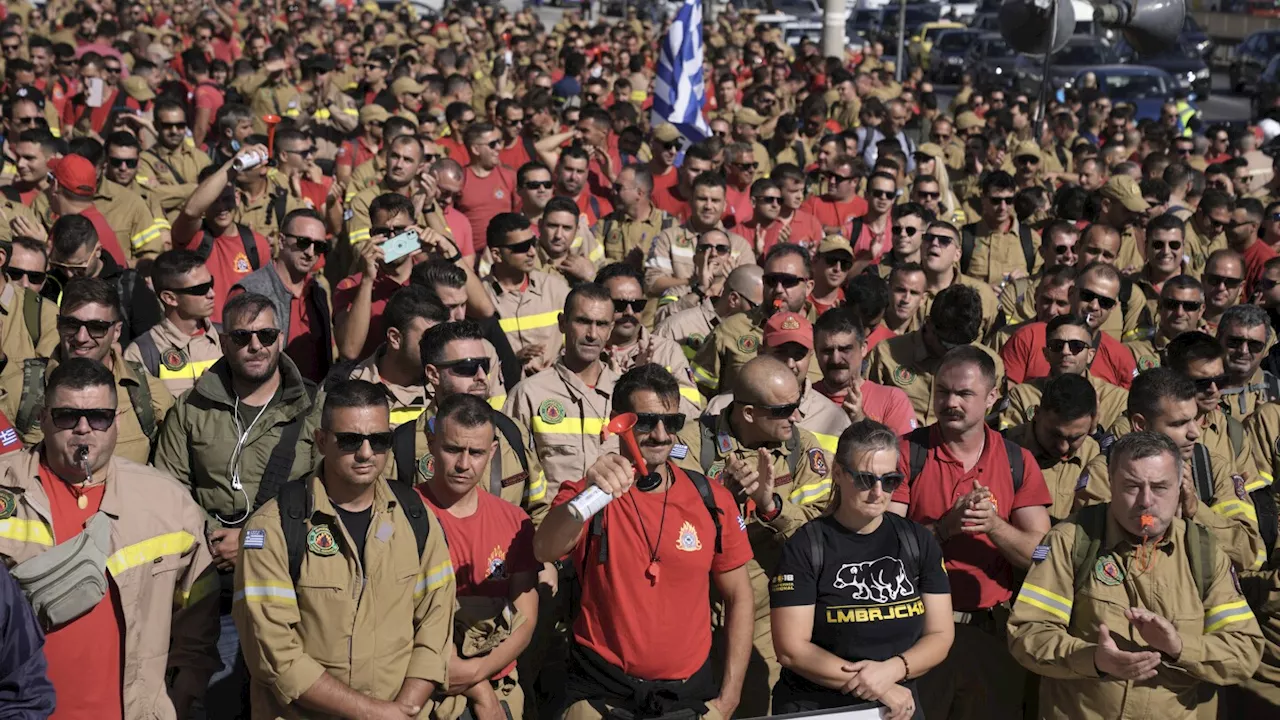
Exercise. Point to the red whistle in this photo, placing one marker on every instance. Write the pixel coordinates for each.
(621, 426)
(1148, 522)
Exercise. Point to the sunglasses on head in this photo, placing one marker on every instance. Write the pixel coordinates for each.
(865, 481)
(1104, 302)
(349, 442)
(648, 422)
(1057, 345)
(1171, 304)
(65, 418)
(538, 185)
(305, 243)
(1204, 385)
(721, 250)
(900, 230)
(266, 336)
(1236, 343)
(36, 277)
(194, 290)
(635, 306)
(1230, 283)
(838, 260)
(97, 329)
(1173, 245)
(786, 280)
(465, 367)
(519, 248)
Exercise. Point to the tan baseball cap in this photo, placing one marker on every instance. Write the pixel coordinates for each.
(748, 117)
(967, 120)
(406, 84)
(1125, 191)
(1026, 147)
(373, 113)
(137, 88)
(930, 149)
(666, 132)
(835, 243)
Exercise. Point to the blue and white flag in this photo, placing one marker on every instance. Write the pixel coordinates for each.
(679, 91)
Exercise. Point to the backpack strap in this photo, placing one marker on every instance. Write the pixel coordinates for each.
(1272, 384)
(1200, 551)
(511, 434)
(31, 309)
(126, 281)
(1016, 465)
(10, 192)
(594, 203)
(793, 450)
(150, 353)
(1028, 245)
(176, 175)
(249, 242)
(816, 549)
(917, 444)
(280, 463)
(968, 241)
(1202, 473)
(403, 450)
(33, 371)
(1091, 526)
(1126, 293)
(707, 453)
(277, 206)
(1235, 434)
(530, 148)
(140, 397)
(908, 543)
(855, 230)
(294, 499)
(1264, 504)
(703, 485)
(411, 503)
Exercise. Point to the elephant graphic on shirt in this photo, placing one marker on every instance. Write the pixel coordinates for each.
(882, 580)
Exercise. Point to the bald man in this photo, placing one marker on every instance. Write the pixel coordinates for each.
(742, 290)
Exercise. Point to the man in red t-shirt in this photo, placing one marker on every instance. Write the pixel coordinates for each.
(839, 344)
(838, 206)
(75, 182)
(360, 298)
(459, 116)
(664, 550)
(676, 200)
(1243, 236)
(740, 171)
(491, 546)
(295, 157)
(515, 143)
(773, 221)
(489, 187)
(988, 520)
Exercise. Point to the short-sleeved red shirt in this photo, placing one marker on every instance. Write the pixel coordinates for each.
(487, 547)
(885, 404)
(228, 263)
(355, 153)
(384, 286)
(209, 96)
(981, 577)
(1024, 359)
(737, 206)
(671, 201)
(622, 609)
(664, 181)
(484, 197)
(592, 205)
(303, 343)
(882, 332)
(835, 214)
(461, 229)
(455, 150)
(514, 156)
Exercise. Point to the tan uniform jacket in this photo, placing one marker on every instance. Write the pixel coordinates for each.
(1240, 402)
(182, 358)
(1053, 629)
(531, 317)
(357, 212)
(139, 233)
(564, 419)
(1018, 301)
(158, 563)
(690, 328)
(364, 175)
(664, 352)
(261, 213)
(1147, 354)
(1197, 248)
(1231, 515)
(1024, 399)
(997, 253)
(407, 401)
(990, 305)
(819, 417)
(13, 210)
(1061, 475)
(1263, 431)
(176, 172)
(131, 443)
(283, 100)
(369, 622)
(585, 244)
(671, 255)
(904, 362)
(732, 344)
(15, 336)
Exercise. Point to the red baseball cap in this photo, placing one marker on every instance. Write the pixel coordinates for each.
(785, 327)
(75, 174)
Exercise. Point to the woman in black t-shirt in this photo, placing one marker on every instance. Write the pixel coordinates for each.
(861, 603)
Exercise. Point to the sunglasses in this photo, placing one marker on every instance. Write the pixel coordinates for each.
(349, 442)
(1204, 385)
(648, 422)
(16, 274)
(1170, 304)
(900, 230)
(304, 153)
(1230, 283)
(373, 66)
(673, 145)
(1001, 200)
(767, 199)
(838, 177)
(1235, 343)
(266, 336)
(194, 290)
(519, 248)
(12, 47)
(1057, 345)
(493, 144)
(1089, 296)
(1267, 283)
(778, 412)
(98, 329)
(636, 306)
(786, 280)
(65, 418)
(305, 243)
(1063, 249)
(1027, 160)
(884, 194)
(26, 122)
(171, 126)
(1173, 245)
(466, 367)
(539, 185)
(867, 481)
(941, 240)
(928, 195)
(113, 69)
(751, 166)
(720, 250)
(123, 162)
(838, 260)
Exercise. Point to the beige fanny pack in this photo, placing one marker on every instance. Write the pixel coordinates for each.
(70, 579)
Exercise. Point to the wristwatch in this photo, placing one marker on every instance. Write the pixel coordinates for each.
(777, 510)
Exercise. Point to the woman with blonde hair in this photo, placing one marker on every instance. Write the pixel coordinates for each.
(861, 603)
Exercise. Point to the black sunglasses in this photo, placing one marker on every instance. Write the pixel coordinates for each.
(648, 422)
(349, 442)
(767, 199)
(305, 243)
(786, 280)
(1171, 304)
(712, 247)
(1057, 345)
(35, 276)
(928, 195)
(519, 248)
(636, 306)
(1265, 284)
(1235, 343)
(1203, 385)
(538, 185)
(65, 418)
(123, 162)
(1230, 283)
(465, 367)
(68, 325)
(171, 126)
(1173, 245)
(1001, 200)
(942, 240)
(884, 194)
(751, 166)
(1062, 249)
(867, 481)
(388, 231)
(194, 290)
(778, 412)
(266, 336)
(1104, 302)
(900, 230)
(839, 260)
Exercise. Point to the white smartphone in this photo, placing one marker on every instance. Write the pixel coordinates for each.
(400, 245)
(95, 93)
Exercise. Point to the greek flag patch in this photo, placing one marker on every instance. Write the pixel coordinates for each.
(254, 539)
(742, 523)
(679, 452)
(1040, 553)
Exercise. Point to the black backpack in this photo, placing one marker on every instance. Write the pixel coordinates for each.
(246, 238)
(403, 446)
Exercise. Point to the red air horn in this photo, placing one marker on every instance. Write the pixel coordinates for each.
(593, 499)
(271, 121)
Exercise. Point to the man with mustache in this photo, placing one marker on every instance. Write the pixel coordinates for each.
(840, 344)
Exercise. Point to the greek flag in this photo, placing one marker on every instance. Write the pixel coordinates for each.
(679, 92)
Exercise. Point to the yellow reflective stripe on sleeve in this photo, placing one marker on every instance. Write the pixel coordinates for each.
(200, 589)
(811, 493)
(351, 111)
(190, 371)
(536, 488)
(321, 114)
(568, 426)
(291, 112)
(667, 300)
(1050, 602)
(267, 592)
(705, 377)
(689, 353)
(695, 397)
(27, 531)
(528, 322)
(596, 253)
(55, 131)
(1216, 618)
(1005, 424)
(1232, 508)
(151, 233)
(141, 553)
(827, 442)
(1264, 480)
(497, 401)
(358, 235)
(1259, 561)
(436, 578)
(400, 416)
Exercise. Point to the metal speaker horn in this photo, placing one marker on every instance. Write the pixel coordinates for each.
(1033, 26)
(1149, 26)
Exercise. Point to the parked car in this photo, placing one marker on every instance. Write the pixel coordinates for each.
(920, 45)
(1251, 59)
(1081, 51)
(991, 60)
(985, 21)
(1146, 88)
(1264, 98)
(946, 61)
(1182, 61)
(1195, 36)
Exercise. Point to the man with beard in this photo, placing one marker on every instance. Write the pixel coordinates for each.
(1069, 351)
(1199, 357)
(488, 187)
(185, 344)
(838, 205)
(404, 163)
(628, 231)
(670, 261)
(572, 175)
(1181, 305)
(567, 247)
(1244, 236)
(397, 365)
(1224, 283)
(840, 347)
(1250, 380)
(712, 263)
(88, 326)
(1059, 435)
(998, 248)
(1059, 247)
(1164, 251)
(245, 428)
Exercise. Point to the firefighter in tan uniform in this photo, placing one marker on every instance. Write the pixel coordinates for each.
(172, 166)
(1122, 619)
(11, 210)
(397, 363)
(28, 322)
(120, 178)
(1121, 207)
(1199, 357)
(690, 328)
(1163, 401)
(910, 362)
(150, 533)
(1059, 438)
(940, 255)
(263, 199)
(131, 218)
(669, 263)
(345, 653)
(529, 301)
(752, 444)
(1000, 241)
(628, 232)
(89, 326)
(1245, 331)
(1204, 230)
(1263, 431)
(185, 344)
